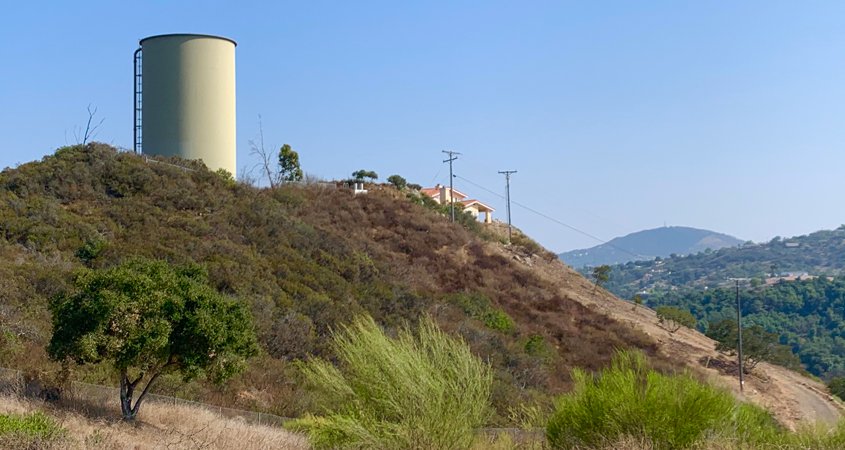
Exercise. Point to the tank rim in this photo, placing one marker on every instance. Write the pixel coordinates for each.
(141, 42)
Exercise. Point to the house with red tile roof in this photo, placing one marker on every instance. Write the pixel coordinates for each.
(444, 195)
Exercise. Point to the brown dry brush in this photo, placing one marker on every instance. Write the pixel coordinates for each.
(307, 258)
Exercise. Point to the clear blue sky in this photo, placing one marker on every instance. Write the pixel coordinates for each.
(617, 115)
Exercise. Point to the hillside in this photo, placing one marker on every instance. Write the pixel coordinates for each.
(819, 253)
(305, 258)
(793, 398)
(649, 244)
(791, 287)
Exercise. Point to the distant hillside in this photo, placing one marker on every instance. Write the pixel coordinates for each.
(819, 253)
(794, 288)
(649, 244)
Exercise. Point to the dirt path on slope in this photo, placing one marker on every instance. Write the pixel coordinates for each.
(791, 397)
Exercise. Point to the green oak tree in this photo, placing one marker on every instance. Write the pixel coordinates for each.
(359, 175)
(673, 318)
(398, 181)
(601, 274)
(757, 345)
(289, 169)
(147, 318)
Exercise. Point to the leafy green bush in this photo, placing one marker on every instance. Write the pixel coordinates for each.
(536, 346)
(630, 399)
(35, 425)
(398, 181)
(425, 391)
(479, 307)
(673, 318)
(837, 387)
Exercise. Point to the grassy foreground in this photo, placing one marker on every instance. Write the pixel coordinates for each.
(28, 425)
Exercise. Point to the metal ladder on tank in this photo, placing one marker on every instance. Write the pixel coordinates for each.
(138, 103)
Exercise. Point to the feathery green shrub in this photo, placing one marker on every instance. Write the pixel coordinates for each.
(417, 391)
(630, 399)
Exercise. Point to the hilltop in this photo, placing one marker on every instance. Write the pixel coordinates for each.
(306, 258)
(649, 244)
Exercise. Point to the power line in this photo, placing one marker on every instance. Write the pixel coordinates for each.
(739, 333)
(452, 157)
(546, 216)
(507, 174)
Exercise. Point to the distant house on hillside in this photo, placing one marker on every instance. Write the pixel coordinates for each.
(790, 276)
(444, 195)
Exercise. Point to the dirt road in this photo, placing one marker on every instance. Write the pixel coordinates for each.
(793, 398)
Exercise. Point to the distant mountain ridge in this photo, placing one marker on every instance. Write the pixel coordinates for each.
(648, 244)
(818, 253)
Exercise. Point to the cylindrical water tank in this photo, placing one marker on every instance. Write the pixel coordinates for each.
(188, 98)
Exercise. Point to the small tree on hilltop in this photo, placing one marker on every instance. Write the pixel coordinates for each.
(289, 169)
(147, 318)
(637, 299)
(359, 175)
(398, 181)
(673, 318)
(601, 275)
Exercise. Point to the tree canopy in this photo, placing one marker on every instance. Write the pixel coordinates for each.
(757, 345)
(146, 318)
(601, 275)
(674, 318)
(289, 169)
(361, 174)
(397, 180)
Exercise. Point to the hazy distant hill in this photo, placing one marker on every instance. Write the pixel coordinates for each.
(649, 244)
(819, 253)
(793, 287)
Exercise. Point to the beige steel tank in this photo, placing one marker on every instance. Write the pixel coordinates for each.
(187, 94)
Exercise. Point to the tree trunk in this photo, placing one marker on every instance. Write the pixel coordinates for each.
(127, 391)
(143, 395)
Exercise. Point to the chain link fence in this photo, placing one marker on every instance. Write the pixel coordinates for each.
(11, 382)
(92, 396)
(85, 396)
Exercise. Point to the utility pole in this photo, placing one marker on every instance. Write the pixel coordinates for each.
(739, 333)
(452, 157)
(507, 174)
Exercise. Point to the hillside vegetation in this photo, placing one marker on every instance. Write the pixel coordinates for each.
(304, 258)
(649, 244)
(807, 315)
(791, 287)
(819, 253)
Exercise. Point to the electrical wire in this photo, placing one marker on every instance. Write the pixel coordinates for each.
(550, 218)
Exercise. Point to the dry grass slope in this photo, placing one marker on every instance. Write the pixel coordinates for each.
(161, 427)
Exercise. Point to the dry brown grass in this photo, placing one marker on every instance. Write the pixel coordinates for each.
(160, 427)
